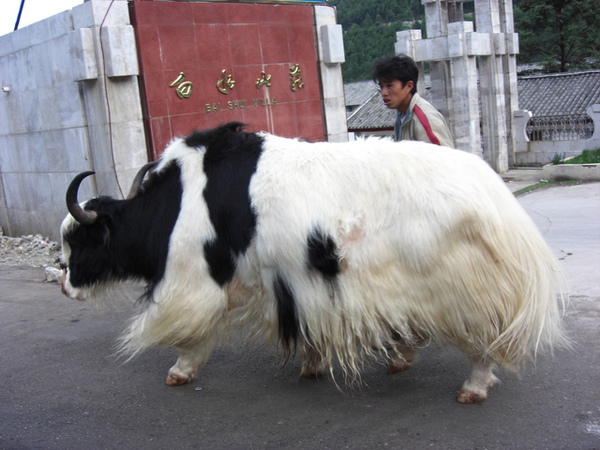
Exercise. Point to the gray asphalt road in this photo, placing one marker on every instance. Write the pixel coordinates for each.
(62, 388)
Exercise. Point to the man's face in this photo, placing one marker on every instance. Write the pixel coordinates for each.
(395, 95)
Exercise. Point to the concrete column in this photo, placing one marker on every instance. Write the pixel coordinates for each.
(594, 112)
(520, 119)
(463, 94)
(406, 44)
(331, 57)
(107, 77)
(510, 74)
(436, 17)
(493, 107)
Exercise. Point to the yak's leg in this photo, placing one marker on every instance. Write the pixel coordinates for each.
(401, 357)
(191, 359)
(474, 390)
(312, 364)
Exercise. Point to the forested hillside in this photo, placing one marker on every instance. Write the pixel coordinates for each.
(370, 30)
(561, 35)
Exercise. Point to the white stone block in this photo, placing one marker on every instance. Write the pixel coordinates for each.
(6, 44)
(330, 84)
(594, 112)
(120, 54)
(336, 121)
(60, 60)
(499, 41)
(325, 14)
(124, 98)
(460, 27)
(332, 43)
(434, 49)
(83, 55)
(456, 45)
(74, 143)
(95, 12)
(20, 39)
(478, 44)
(436, 18)
(512, 43)
(59, 25)
(405, 42)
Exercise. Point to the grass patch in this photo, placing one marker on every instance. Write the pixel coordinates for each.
(543, 185)
(587, 157)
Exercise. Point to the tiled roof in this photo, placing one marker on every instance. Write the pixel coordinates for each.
(544, 95)
(359, 92)
(372, 114)
(560, 93)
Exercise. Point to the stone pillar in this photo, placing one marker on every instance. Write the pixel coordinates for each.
(331, 57)
(105, 65)
(491, 78)
(436, 20)
(406, 43)
(520, 120)
(463, 99)
(594, 112)
(510, 73)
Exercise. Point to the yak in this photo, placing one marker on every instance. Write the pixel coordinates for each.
(343, 251)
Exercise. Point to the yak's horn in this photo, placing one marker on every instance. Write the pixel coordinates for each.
(137, 181)
(79, 214)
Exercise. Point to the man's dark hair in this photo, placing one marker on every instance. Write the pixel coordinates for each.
(399, 67)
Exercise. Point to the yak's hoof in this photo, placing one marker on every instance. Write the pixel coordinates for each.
(310, 373)
(471, 397)
(397, 368)
(177, 379)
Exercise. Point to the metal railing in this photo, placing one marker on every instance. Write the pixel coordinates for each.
(572, 127)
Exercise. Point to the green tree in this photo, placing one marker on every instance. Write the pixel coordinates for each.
(561, 34)
(370, 28)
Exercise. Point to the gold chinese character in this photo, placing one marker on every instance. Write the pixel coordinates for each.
(226, 81)
(263, 80)
(295, 78)
(183, 89)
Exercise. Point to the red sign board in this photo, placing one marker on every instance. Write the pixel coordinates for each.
(205, 64)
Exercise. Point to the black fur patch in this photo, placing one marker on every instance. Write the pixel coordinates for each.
(322, 254)
(286, 313)
(130, 240)
(229, 163)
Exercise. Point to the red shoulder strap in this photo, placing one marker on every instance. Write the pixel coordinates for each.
(425, 122)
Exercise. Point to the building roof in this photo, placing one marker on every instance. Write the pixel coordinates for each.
(359, 92)
(372, 115)
(543, 95)
(559, 93)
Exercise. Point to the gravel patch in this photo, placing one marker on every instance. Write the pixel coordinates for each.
(31, 250)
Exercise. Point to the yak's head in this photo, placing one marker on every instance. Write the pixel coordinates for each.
(88, 258)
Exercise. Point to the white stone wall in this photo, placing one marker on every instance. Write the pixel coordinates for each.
(58, 98)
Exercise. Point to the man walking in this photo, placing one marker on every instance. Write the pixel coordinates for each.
(417, 119)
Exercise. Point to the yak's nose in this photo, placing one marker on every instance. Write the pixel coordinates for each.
(77, 295)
